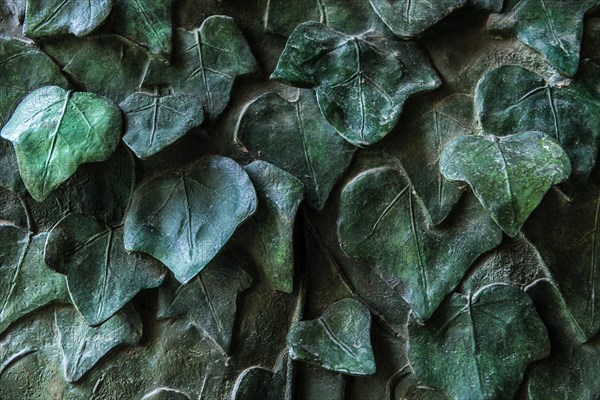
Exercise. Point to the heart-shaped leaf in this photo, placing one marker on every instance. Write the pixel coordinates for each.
(339, 340)
(83, 346)
(26, 283)
(509, 175)
(463, 350)
(56, 17)
(309, 141)
(552, 27)
(511, 99)
(102, 277)
(54, 131)
(260, 383)
(383, 223)
(409, 18)
(361, 81)
(183, 219)
(154, 122)
(208, 301)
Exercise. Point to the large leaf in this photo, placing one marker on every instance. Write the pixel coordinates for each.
(339, 340)
(511, 99)
(465, 348)
(309, 140)
(147, 22)
(552, 27)
(83, 346)
(26, 283)
(56, 17)
(509, 174)
(183, 219)
(154, 122)
(208, 301)
(101, 276)
(54, 131)
(409, 18)
(269, 234)
(206, 62)
(382, 223)
(420, 144)
(361, 81)
(15, 55)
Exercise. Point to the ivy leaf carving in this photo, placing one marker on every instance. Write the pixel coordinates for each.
(511, 99)
(54, 131)
(384, 224)
(361, 81)
(9, 166)
(260, 383)
(209, 301)
(83, 346)
(314, 152)
(509, 175)
(409, 18)
(101, 276)
(56, 17)
(339, 340)
(154, 122)
(206, 62)
(26, 283)
(463, 349)
(41, 71)
(552, 27)
(183, 219)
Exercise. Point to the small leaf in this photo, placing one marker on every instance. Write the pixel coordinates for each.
(511, 99)
(102, 277)
(184, 219)
(83, 346)
(269, 237)
(509, 175)
(41, 71)
(339, 340)
(260, 383)
(154, 122)
(271, 120)
(409, 18)
(382, 223)
(26, 284)
(206, 62)
(464, 349)
(361, 81)
(54, 131)
(208, 301)
(56, 17)
(552, 27)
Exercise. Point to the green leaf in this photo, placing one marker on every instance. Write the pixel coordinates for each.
(552, 27)
(83, 346)
(509, 175)
(260, 383)
(56, 17)
(206, 62)
(101, 276)
(147, 22)
(465, 348)
(154, 122)
(54, 131)
(436, 122)
(269, 233)
(361, 81)
(409, 18)
(383, 224)
(208, 301)
(10, 178)
(15, 55)
(410, 387)
(309, 140)
(26, 284)
(183, 219)
(339, 340)
(511, 99)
